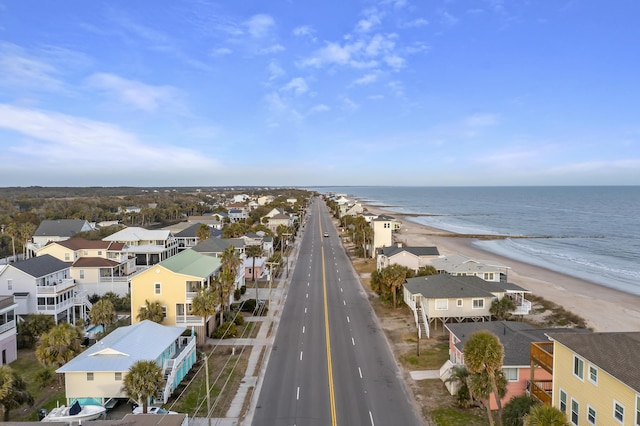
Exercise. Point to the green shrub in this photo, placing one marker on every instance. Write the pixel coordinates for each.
(45, 376)
(237, 294)
(226, 330)
(243, 289)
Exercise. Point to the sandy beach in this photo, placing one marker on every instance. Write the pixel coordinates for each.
(603, 308)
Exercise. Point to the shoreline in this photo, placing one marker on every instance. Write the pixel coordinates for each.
(604, 309)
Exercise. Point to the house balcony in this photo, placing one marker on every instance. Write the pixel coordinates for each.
(541, 354)
(9, 325)
(55, 308)
(114, 279)
(523, 307)
(542, 390)
(189, 320)
(56, 287)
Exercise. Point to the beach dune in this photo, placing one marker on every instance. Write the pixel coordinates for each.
(603, 308)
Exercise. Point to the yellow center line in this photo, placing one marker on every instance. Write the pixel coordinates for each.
(332, 398)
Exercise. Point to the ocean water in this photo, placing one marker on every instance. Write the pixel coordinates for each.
(589, 232)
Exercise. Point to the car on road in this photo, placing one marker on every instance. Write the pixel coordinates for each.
(326, 234)
(153, 410)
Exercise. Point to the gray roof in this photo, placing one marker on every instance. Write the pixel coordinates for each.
(188, 232)
(516, 337)
(60, 228)
(616, 353)
(445, 286)
(41, 265)
(124, 346)
(416, 251)
(218, 245)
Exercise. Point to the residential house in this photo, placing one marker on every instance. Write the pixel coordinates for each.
(8, 341)
(382, 233)
(263, 200)
(445, 297)
(259, 238)
(98, 267)
(413, 258)
(460, 265)
(596, 380)
(350, 209)
(43, 285)
(238, 215)
(55, 230)
(273, 212)
(96, 375)
(279, 219)
(214, 220)
(188, 237)
(174, 283)
(258, 264)
(516, 338)
(216, 246)
(148, 246)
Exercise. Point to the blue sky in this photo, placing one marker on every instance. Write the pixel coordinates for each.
(387, 92)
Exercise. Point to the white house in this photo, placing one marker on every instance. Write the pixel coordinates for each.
(148, 246)
(8, 341)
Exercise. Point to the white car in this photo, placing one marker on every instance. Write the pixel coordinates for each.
(326, 234)
(152, 410)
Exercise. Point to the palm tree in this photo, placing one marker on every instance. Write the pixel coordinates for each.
(151, 311)
(59, 345)
(12, 231)
(480, 388)
(483, 352)
(26, 232)
(502, 308)
(394, 276)
(230, 264)
(545, 415)
(460, 377)
(204, 305)
(254, 251)
(203, 232)
(142, 381)
(13, 391)
(103, 312)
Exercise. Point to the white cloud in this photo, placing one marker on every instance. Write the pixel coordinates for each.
(373, 18)
(416, 23)
(394, 61)
(305, 31)
(221, 51)
(446, 18)
(366, 79)
(349, 104)
(274, 48)
(133, 93)
(297, 85)
(397, 88)
(319, 108)
(66, 142)
(20, 70)
(417, 47)
(275, 70)
(260, 26)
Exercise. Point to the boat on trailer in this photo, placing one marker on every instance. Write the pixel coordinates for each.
(75, 413)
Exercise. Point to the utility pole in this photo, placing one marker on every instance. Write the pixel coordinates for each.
(282, 242)
(271, 265)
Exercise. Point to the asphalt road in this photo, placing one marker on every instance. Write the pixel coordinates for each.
(330, 363)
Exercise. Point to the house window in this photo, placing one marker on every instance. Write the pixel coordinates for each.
(85, 253)
(157, 288)
(488, 276)
(82, 274)
(66, 257)
(164, 312)
(89, 377)
(618, 411)
(459, 303)
(478, 303)
(591, 415)
(511, 374)
(99, 252)
(578, 367)
(563, 401)
(638, 410)
(593, 374)
(442, 304)
(117, 375)
(10, 284)
(575, 409)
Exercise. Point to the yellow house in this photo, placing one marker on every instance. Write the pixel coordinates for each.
(596, 379)
(174, 283)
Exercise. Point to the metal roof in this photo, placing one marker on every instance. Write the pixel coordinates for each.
(192, 263)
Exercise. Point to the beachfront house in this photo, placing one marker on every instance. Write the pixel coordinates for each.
(460, 265)
(55, 230)
(516, 339)
(98, 267)
(596, 380)
(96, 375)
(43, 285)
(411, 257)
(147, 246)
(8, 339)
(447, 298)
(173, 283)
(382, 233)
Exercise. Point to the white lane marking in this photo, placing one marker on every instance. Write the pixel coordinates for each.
(360, 372)
(303, 329)
(371, 418)
(298, 397)
(341, 291)
(300, 355)
(307, 295)
(344, 302)
(353, 341)
(348, 320)
(305, 310)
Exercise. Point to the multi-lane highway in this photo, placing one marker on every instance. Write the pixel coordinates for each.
(330, 363)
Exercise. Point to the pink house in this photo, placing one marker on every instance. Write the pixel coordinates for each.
(516, 338)
(259, 267)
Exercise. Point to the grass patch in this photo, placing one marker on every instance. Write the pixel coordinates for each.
(432, 356)
(451, 416)
(226, 372)
(557, 316)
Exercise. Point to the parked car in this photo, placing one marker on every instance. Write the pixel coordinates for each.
(152, 410)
